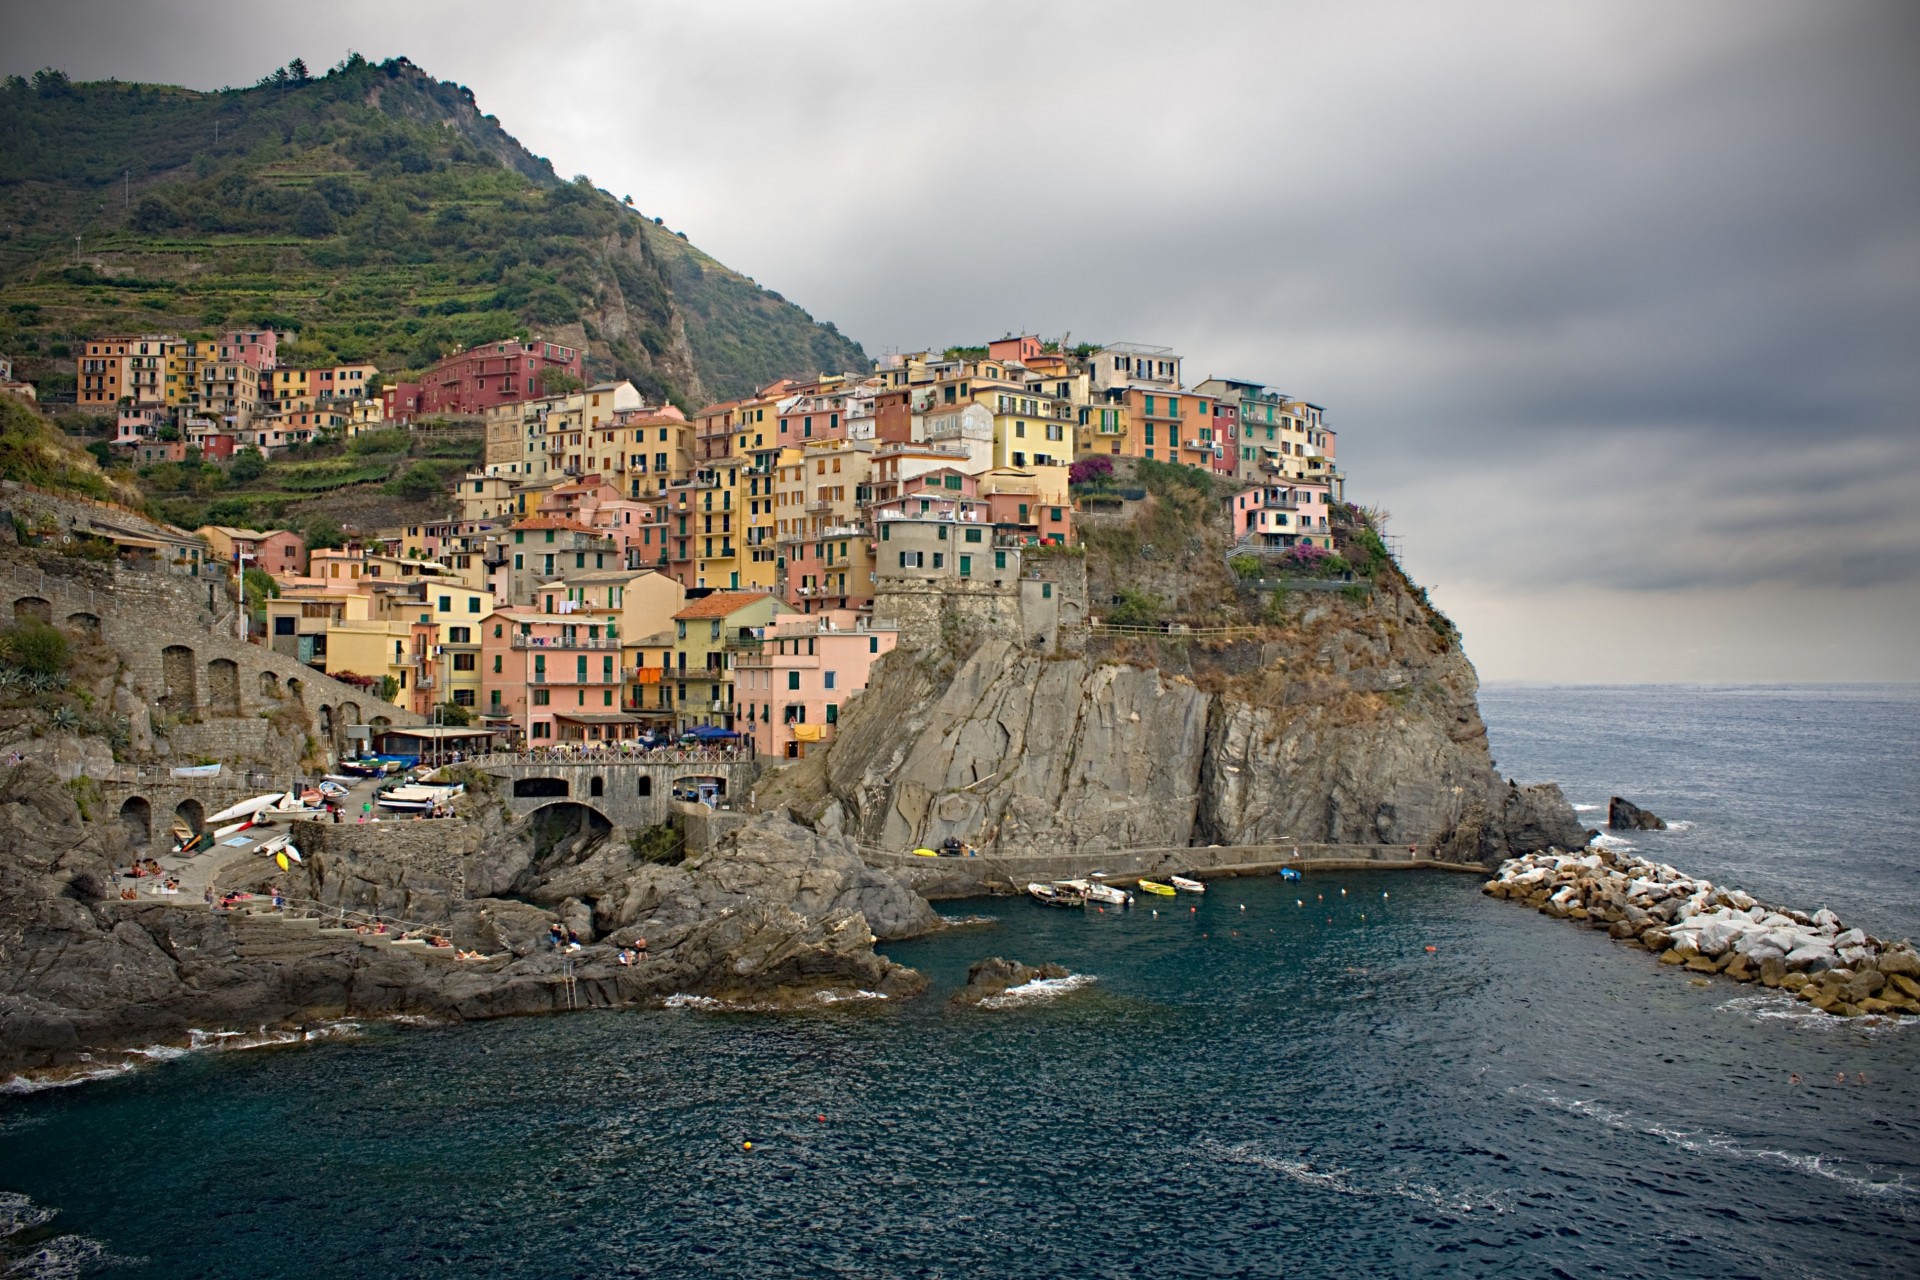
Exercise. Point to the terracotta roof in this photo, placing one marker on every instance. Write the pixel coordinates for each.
(553, 522)
(720, 604)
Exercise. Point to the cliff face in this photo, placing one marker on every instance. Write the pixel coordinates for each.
(1349, 721)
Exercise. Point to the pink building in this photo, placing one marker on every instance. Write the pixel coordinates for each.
(400, 402)
(1282, 515)
(792, 686)
(552, 678)
(257, 347)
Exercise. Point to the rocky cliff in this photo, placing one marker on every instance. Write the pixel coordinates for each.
(1336, 717)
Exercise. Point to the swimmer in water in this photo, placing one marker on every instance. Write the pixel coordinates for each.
(1794, 1078)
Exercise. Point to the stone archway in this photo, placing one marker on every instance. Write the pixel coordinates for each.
(565, 832)
(223, 687)
(348, 714)
(540, 788)
(32, 609)
(86, 624)
(296, 688)
(269, 686)
(136, 815)
(191, 815)
(326, 721)
(596, 785)
(646, 784)
(180, 672)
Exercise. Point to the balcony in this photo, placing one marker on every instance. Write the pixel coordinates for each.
(561, 642)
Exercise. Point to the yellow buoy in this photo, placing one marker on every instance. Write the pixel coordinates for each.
(746, 1146)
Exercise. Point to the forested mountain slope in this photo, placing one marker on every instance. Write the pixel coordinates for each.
(375, 210)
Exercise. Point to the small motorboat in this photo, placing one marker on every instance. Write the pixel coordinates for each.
(1289, 873)
(1113, 897)
(1188, 883)
(1052, 895)
(1154, 886)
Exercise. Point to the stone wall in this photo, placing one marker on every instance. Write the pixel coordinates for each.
(189, 688)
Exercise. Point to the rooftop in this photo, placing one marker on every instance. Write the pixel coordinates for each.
(720, 604)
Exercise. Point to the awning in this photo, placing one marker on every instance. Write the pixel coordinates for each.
(710, 732)
(596, 717)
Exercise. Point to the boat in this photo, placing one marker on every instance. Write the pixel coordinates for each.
(1289, 873)
(1108, 894)
(1050, 895)
(1188, 883)
(417, 799)
(1154, 886)
(246, 808)
(196, 771)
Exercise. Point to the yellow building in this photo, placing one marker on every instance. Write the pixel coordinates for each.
(707, 634)
(826, 556)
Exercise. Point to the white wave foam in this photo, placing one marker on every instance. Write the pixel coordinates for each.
(682, 1000)
(66, 1258)
(961, 922)
(17, 1213)
(1680, 824)
(1722, 1147)
(1587, 808)
(1777, 1006)
(1038, 989)
(66, 1078)
(841, 997)
(1340, 1181)
(1605, 841)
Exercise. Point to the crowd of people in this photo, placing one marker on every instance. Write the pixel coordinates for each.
(631, 751)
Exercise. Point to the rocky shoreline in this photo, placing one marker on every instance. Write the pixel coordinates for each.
(1709, 929)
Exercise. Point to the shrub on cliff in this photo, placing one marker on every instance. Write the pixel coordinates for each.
(1136, 609)
(35, 648)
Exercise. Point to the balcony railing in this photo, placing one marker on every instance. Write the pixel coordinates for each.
(561, 642)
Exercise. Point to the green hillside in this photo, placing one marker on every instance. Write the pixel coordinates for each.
(374, 209)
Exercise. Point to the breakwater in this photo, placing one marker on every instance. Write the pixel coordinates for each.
(1710, 929)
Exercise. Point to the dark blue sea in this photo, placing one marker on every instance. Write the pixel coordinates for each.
(1365, 1075)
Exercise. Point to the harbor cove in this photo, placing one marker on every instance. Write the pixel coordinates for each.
(1327, 691)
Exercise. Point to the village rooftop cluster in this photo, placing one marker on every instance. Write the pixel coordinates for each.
(617, 569)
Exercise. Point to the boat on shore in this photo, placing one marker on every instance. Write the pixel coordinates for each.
(1052, 895)
(1188, 883)
(1154, 886)
(196, 771)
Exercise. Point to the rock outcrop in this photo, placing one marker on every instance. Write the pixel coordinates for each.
(994, 977)
(778, 915)
(1353, 723)
(1624, 815)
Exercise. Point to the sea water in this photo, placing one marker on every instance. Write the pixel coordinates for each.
(1381, 1074)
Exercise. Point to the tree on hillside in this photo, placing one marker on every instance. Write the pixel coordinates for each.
(324, 532)
(558, 382)
(314, 218)
(298, 70)
(248, 465)
(418, 482)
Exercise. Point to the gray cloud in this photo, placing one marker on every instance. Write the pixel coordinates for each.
(1618, 300)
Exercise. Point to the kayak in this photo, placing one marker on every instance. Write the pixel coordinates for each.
(1190, 885)
(1150, 886)
(1289, 873)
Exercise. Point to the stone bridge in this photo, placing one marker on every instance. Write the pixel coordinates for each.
(146, 802)
(628, 793)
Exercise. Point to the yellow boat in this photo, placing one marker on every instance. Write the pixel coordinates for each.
(1150, 886)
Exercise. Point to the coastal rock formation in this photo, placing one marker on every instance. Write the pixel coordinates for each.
(1353, 723)
(1692, 923)
(1624, 815)
(994, 976)
(777, 917)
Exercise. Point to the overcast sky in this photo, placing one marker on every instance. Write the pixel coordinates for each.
(1616, 306)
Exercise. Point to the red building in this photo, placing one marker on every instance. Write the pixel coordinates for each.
(494, 373)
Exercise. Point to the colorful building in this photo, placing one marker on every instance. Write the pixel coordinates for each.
(797, 676)
(470, 382)
(708, 633)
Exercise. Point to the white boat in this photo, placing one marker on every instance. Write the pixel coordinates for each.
(247, 808)
(1048, 895)
(1189, 884)
(1113, 897)
(221, 833)
(271, 844)
(196, 771)
(418, 799)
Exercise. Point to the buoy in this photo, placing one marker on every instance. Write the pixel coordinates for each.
(746, 1146)
(1192, 910)
(1298, 903)
(1343, 893)
(1383, 895)
(1243, 906)
(821, 1119)
(1433, 948)
(1156, 911)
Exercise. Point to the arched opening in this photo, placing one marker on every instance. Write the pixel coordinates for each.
(537, 788)
(179, 671)
(326, 721)
(646, 784)
(596, 785)
(565, 834)
(296, 688)
(33, 609)
(86, 624)
(380, 722)
(269, 685)
(136, 815)
(347, 715)
(223, 687)
(189, 814)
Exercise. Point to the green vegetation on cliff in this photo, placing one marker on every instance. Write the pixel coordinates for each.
(376, 211)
